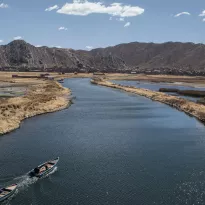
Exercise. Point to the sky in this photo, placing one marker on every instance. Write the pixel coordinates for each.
(87, 24)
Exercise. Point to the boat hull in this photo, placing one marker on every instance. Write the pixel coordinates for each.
(8, 195)
(46, 172)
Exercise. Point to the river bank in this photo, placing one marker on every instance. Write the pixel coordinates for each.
(113, 148)
(191, 108)
(40, 97)
(190, 81)
(43, 96)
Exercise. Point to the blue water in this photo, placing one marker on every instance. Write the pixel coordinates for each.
(157, 86)
(114, 148)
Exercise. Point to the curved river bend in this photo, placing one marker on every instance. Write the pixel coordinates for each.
(114, 148)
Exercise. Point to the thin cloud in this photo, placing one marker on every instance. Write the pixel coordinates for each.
(202, 13)
(89, 47)
(110, 18)
(55, 7)
(182, 13)
(62, 28)
(58, 47)
(84, 8)
(1, 41)
(38, 46)
(18, 38)
(4, 6)
(120, 19)
(203, 19)
(127, 24)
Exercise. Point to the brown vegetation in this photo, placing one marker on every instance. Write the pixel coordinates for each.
(169, 90)
(192, 93)
(193, 81)
(201, 101)
(41, 98)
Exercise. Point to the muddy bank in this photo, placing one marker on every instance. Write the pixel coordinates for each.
(191, 108)
(41, 98)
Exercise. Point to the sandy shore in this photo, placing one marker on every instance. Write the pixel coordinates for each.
(191, 108)
(41, 97)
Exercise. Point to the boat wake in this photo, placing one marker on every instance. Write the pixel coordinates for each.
(23, 182)
(50, 173)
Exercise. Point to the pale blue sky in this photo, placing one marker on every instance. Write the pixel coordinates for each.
(157, 23)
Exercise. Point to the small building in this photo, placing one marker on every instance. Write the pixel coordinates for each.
(133, 72)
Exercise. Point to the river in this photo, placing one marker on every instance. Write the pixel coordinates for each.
(114, 148)
(157, 86)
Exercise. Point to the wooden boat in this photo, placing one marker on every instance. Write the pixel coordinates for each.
(60, 81)
(43, 169)
(7, 192)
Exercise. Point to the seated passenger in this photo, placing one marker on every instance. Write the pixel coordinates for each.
(42, 169)
(36, 170)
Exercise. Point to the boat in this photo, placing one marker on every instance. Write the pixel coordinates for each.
(43, 169)
(60, 80)
(7, 192)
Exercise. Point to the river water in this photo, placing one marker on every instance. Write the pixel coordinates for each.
(157, 86)
(114, 148)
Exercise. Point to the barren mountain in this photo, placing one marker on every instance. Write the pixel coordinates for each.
(169, 58)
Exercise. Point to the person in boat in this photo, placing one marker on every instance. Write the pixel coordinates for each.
(36, 170)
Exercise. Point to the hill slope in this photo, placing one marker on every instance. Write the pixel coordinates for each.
(165, 58)
(170, 57)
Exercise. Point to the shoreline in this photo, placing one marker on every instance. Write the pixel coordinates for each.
(44, 96)
(40, 99)
(189, 81)
(185, 84)
(191, 108)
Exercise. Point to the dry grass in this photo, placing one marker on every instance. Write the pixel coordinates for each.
(7, 76)
(41, 98)
(186, 80)
(183, 80)
(192, 93)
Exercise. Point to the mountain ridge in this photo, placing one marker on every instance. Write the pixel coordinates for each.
(156, 58)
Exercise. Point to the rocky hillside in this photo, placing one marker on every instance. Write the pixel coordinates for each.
(26, 57)
(166, 58)
(169, 58)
